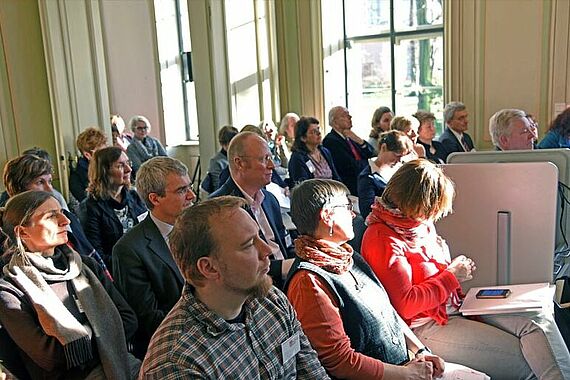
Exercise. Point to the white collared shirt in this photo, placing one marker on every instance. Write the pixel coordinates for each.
(163, 227)
(262, 221)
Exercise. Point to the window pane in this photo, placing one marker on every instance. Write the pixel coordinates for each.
(366, 17)
(368, 82)
(246, 107)
(409, 14)
(419, 76)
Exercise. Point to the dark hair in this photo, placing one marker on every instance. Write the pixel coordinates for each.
(309, 198)
(562, 123)
(37, 151)
(396, 141)
(21, 171)
(99, 167)
(422, 116)
(226, 134)
(18, 212)
(191, 238)
(376, 117)
(301, 129)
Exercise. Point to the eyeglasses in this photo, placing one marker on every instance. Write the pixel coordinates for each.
(314, 132)
(122, 165)
(263, 160)
(184, 190)
(142, 128)
(348, 206)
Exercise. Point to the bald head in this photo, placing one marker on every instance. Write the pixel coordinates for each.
(250, 160)
(340, 119)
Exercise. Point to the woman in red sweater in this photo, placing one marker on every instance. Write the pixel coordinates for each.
(343, 309)
(423, 283)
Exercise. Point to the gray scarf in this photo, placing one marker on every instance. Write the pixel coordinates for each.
(29, 273)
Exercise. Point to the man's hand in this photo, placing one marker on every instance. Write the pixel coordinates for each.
(353, 136)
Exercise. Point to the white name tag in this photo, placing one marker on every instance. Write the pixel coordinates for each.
(142, 216)
(311, 166)
(290, 347)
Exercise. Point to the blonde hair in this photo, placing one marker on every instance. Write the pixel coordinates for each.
(420, 190)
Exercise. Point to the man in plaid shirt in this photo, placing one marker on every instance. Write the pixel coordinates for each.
(230, 322)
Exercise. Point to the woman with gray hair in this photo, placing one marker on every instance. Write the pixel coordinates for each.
(143, 147)
(343, 308)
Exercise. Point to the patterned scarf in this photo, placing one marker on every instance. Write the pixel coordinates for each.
(331, 257)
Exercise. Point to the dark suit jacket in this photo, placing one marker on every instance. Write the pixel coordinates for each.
(78, 179)
(270, 206)
(346, 165)
(102, 226)
(299, 171)
(370, 185)
(148, 277)
(452, 144)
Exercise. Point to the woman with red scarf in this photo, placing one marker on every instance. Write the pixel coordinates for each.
(423, 283)
(343, 309)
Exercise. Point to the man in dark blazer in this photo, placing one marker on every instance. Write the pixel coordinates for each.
(350, 153)
(143, 267)
(251, 167)
(454, 138)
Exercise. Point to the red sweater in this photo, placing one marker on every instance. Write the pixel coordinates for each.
(410, 260)
(317, 310)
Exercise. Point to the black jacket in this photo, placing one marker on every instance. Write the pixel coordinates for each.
(147, 276)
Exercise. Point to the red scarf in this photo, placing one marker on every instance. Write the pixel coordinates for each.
(334, 258)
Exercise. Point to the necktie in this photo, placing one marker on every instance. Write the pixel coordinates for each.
(353, 149)
(464, 143)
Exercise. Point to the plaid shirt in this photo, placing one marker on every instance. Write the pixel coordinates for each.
(194, 342)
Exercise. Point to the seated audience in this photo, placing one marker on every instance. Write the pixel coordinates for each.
(381, 120)
(30, 172)
(121, 138)
(286, 137)
(220, 161)
(435, 151)
(142, 147)
(251, 168)
(143, 267)
(409, 126)
(343, 308)
(310, 159)
(424, 284)
(112, 208)
(510, 129)
(350, 153)
(42, 153)
(65, 316)
(455, 138)
(88, 142)
(394, 146)
(558, 135)
(230, 323)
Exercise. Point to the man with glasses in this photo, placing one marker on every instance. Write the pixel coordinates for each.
(143, 267)
(511, 129)
(251, 167)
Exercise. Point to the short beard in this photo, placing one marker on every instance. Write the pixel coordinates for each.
(261, 290)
